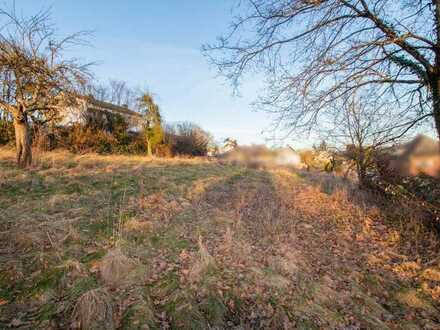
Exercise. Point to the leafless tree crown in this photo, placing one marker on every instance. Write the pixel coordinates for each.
(315, 52)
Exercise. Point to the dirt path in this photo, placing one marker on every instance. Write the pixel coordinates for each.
(123, 242)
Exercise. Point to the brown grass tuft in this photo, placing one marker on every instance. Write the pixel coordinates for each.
(228, 239)
(94, 310)
(115, 267)
(205, 258)
(203, 263)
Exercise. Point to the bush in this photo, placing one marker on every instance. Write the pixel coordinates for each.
(118, 127)
(133, 143)
(187, 139)
(85, 139)
(164, 151)
(102, 133)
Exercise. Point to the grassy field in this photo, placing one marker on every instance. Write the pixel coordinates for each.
(118, 242)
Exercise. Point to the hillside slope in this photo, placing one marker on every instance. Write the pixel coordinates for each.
(104, 242)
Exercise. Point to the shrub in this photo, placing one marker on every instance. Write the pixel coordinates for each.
(85, 139)
(102, 133)
(187, 139)
(119, 128)
(164, 150)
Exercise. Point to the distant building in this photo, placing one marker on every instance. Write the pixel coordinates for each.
(420, 156)
(260, 155)
(287, 157)
(229, 145)
(90, 107)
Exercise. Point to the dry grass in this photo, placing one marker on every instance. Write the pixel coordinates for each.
(94, 310)
(135, 226)
(204, 245)
(115, 268)
(202, 263)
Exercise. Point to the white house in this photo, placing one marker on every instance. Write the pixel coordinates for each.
(89, 105)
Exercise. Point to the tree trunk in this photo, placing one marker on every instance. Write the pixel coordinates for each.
(435, 80)
(149, 151)
(23, 141)
(436, 104)
(361, 166)
(361, 173)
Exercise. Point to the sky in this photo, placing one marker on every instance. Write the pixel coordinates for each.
(156, 44)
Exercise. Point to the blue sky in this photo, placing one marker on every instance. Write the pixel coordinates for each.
(156, 44)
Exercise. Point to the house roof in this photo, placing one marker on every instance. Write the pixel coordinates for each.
(106, 106)
(421, 145)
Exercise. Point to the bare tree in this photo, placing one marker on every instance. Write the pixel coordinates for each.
(361, 127)
(38, 83)
(117, 92)
(98, 91)
(314, 52)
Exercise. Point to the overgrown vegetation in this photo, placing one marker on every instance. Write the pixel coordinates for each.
(187, 139)
(106, 133)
